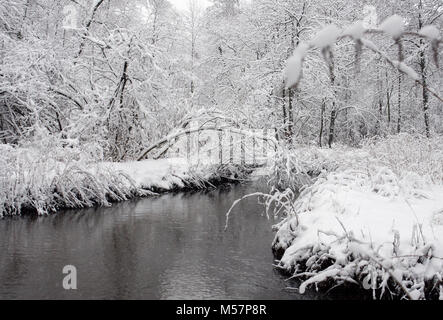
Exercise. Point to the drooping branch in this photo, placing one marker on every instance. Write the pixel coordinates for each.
(331, 34)
(66, 95)
(400, 66)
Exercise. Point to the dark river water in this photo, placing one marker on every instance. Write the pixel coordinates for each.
(170, 247)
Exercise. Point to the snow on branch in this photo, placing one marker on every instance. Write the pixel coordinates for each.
(393, 26)
(330, 34)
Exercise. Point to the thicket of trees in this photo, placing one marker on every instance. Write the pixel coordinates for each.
(104, 71)
(122, 74)
(363, 100)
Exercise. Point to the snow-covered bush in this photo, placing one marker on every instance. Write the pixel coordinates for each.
(407, 154)
(373, 220)
(340, 231)
(299, 167)
(48, 173)
(288, 170)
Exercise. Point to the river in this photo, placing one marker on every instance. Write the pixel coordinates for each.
(169, 247)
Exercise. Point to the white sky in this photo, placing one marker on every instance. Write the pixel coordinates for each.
(183, 4)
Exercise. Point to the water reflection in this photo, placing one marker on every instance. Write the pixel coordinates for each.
(170, 247)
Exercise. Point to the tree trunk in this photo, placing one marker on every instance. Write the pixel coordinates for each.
(322, 115)
(285, 118)
(380, 117)
(388, 106)
(334, 111)
(425, 93)
(332, 126)
(290, 115)
(422, 63)
(399, 104)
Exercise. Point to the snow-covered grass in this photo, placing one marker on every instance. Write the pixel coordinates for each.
(43, 178)
(47, 175)
(373, 217)
(297, 168)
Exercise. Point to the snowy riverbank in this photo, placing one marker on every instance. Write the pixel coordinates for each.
(44, 179)
(374, 218)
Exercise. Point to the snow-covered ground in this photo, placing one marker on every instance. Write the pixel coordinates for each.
(164, 174)
(374, 217)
